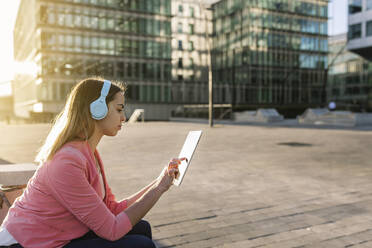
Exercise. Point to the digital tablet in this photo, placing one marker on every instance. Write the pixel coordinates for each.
(187, 151)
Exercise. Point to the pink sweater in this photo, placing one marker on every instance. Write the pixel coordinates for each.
(63, 201)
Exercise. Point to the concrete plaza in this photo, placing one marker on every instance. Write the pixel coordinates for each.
(248, 185)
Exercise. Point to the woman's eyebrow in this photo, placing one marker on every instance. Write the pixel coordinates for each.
(122, 105)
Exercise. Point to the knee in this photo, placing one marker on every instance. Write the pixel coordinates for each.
(146, 227)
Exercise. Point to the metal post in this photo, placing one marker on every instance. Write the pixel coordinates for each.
(210, 82)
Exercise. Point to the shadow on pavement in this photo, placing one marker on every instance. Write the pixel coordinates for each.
(2, 161)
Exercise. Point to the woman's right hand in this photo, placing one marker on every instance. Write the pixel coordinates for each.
(169, 173)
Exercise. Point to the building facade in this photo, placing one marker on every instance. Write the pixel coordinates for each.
(265, 53)
(270, 53)
(350, 77)
(360, 28)
(190, 24)
(67, 40)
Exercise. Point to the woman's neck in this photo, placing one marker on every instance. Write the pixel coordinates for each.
(94, 140)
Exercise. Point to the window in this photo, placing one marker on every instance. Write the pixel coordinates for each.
(192, 11)
(128, 69)
(86, 20)
(191, 63)
(136, 68)
(69, 20)
(180, 9)
(110, 23)
(69, 40)
(61, 19)
(94, 44)
(78, 43)
(180, 45)
(77, 19)
(355, 31)
(355, 6)
(191, 28)
(191, 45)
(43, 14)
(369, 4)
(102, 21)
(323, 11)
(179, 27)
(180, 63)
(369, 28)
(120, 69)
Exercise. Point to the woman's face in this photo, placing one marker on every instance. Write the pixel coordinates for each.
(111, 124)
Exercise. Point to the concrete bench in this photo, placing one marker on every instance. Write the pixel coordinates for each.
(13, 180)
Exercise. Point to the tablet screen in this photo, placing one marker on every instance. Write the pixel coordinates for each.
(187, 151)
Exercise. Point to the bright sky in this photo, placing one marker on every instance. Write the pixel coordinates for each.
(337, 24)
(337, 13)
(8, 12)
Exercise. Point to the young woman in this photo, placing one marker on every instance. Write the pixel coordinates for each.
(68, 203)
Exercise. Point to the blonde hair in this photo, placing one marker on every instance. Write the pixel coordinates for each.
(75, 122)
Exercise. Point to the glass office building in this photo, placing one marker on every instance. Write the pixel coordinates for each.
(360, 28)
(67, 40)
(270, 53)
(350, 77)
(265, 53)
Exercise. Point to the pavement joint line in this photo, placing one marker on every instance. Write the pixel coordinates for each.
(188, 220)
(360, 243)
(341, 236)
(254, 209)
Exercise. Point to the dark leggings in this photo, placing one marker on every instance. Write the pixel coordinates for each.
(139, 237)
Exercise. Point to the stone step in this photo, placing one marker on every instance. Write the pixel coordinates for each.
(16, 174)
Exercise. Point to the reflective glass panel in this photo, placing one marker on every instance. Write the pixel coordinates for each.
(369, 28)
(355, 6)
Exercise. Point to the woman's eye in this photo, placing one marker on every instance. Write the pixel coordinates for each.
(120, 110)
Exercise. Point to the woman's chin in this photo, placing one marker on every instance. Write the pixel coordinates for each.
(111, 133)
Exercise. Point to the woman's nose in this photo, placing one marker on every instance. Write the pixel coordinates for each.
(123, 117)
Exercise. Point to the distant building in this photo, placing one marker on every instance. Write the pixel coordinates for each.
(264, 53)
(270, 54)
(70, 40)
(189, 51)
(360, 28)
(350, 77)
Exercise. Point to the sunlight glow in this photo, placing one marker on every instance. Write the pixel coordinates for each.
(5, 88)
(8, 13)
(38, 107)
(25, 68)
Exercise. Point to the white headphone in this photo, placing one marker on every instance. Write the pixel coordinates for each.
(98, 108)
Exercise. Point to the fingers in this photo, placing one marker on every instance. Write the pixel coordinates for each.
(173, 164)
(173, 172)
(178, 160)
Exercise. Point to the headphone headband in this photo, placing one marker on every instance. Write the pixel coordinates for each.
(105, 88)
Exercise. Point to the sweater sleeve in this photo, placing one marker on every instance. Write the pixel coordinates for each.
(69, 185)
(115, 207)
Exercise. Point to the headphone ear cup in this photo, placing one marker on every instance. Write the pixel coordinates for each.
(98, 109)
